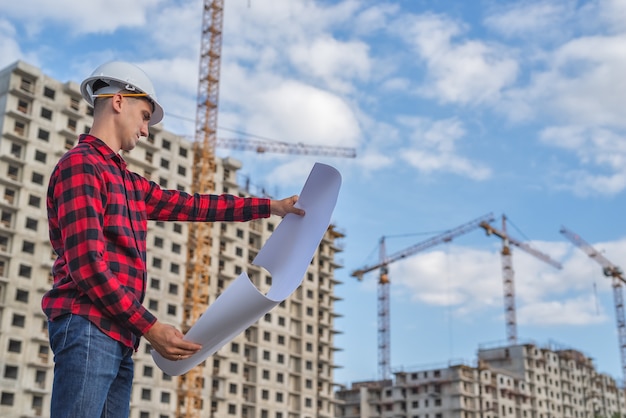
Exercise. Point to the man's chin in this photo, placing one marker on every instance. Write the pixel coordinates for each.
(130, 146)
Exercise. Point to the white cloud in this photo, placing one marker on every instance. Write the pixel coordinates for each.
(374, 18)
(397, 84)
(601, 152)
(376, 151)
(463, 72)
(174, 28)
(537, 19)
(586, 82)
(614, 12)
(428, 163)
(536, 280)
(582, 310)
(434, 148)
(284, 35)
(464, 278)
(10, 50)
(581, 92)
(338, 64)
(290, 173)
(295, 112)
(281, 23)
(585, 183)
(374, 160)
(583, 84)
(98, 16)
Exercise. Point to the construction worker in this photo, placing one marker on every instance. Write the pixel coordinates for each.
(97, 214)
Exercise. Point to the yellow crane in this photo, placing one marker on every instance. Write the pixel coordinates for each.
(384, 327)
(508, 275)
(617, 278)
(196, 288)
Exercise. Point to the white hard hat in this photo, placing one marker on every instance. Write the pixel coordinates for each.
(117, 76)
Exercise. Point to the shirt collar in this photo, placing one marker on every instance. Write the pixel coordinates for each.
(102, 148)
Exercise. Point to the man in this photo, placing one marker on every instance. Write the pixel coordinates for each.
(97, 214)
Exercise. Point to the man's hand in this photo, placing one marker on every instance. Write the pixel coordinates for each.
(285, 206)
(168, 342)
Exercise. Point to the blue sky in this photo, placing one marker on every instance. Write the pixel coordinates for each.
(456, 109)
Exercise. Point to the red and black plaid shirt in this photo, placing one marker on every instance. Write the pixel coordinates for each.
(97, 215)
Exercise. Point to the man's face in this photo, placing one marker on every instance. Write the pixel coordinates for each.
(136, 115)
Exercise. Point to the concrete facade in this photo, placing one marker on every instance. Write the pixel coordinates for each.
(520, 381)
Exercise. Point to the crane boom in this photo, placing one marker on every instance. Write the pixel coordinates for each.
(521, 245)
(444, 237)
(508, 274)
(384, 329)
(610, 270)
(263, 146)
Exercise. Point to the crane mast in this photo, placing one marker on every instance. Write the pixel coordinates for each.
(617, 278)
(508, 274)
(384, 327)
(196, 296)
(508, 281)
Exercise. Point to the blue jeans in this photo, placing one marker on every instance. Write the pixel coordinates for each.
(93, 374)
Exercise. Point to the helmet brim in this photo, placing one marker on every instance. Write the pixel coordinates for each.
(86, 90)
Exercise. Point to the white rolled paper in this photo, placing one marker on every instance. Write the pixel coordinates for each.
(286, 255)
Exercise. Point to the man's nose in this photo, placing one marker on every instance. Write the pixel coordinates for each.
(144, 130)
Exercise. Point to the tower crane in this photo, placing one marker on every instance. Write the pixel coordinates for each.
(196, 287)
(615, 273)
(384, 346)
(508, 275)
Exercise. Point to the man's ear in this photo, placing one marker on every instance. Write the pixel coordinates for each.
(117, 101)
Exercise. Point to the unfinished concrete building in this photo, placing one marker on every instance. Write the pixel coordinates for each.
(520, 381)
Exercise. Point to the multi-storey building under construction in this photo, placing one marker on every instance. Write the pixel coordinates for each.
(519, 381)
(281, 367)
